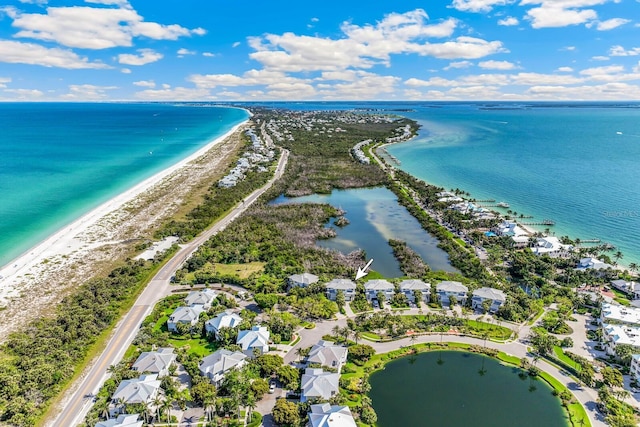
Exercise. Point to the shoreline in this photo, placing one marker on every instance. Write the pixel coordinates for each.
(530, 229)
(67, 240)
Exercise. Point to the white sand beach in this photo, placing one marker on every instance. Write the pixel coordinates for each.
(34, 282)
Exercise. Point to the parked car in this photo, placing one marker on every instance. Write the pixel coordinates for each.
(272, 387)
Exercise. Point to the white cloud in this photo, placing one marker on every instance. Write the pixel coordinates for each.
(600, 58)
(174, 94)
(367, 86)
(145, 83)
(208, 54)
(508, 21)
(568, 49)
(621, 51)
(34, 54)
(606, 70)
(478, 5)
(608, 91)
(497, 65)
(250, 78)
(146, 56)
(555, 16)
(121, 3)
(565, 69)
(24, 94)
(87, 92)
(125, 71)
(458, 64)
(368, 45)
(93, 28)
(38, 2)
(183, 52)
(609, 24)
(4, 81)
(343, 75)
(236, 44)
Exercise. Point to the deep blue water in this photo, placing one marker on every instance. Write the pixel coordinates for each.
(61, 160)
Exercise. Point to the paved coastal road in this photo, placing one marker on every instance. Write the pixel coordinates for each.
(76, 407)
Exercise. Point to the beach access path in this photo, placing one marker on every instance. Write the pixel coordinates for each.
(80, 396)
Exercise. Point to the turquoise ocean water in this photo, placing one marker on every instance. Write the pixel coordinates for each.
(576, 164)
(61, 160)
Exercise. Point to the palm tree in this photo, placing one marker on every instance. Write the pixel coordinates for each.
(336, 332)
(165, 407)
(357, 336)
(633, 267)
(617, 256)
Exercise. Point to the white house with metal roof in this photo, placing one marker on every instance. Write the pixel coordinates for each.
(326, 353)
(186, 315)
(348, 288)
(448, 288)
(317, 383)
(204, 298)
(613, 313)
(139, 390)
(215, 365)
(409, 286)
(480, 295)
(551, 245)
(614, 335)
(325, 415)
(255, 339)
(226, 319)
(373, 287)
(592, 264)
(155, 362)
(123, 420)
(302, 280)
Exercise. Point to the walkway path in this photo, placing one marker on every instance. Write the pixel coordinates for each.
(76, 407)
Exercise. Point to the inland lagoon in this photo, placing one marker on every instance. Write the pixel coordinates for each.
(460, 389)
(375, 217)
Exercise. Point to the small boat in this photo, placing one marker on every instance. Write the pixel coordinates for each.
(502, 204)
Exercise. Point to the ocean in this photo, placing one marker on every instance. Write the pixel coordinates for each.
(59, 161)
(576, 164)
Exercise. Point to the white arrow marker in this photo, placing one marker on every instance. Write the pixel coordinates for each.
(363, 271)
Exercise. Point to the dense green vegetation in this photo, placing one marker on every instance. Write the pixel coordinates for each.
(411, 264)
(37, 362)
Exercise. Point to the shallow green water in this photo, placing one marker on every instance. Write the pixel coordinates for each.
(464, 390)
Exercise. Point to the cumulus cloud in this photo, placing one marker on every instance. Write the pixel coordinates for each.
(4, 81)
(600, 58)
(174, 94)
(553, 16)
(508, 21)
(145, 56)
(24, 94)
(368, 45)
(250, 78)
(34, 54)
(145, 83)
(497, 65)
(458, 64)
(183, 52)
(478, 5)
(621, 51)
(609, 24)
(88, 92)
(208, 54)
(93, 28)
(608, 91)
(565, 69)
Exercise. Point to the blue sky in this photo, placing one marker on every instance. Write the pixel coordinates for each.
(226, 50)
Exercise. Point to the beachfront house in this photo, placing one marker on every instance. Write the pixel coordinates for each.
(447, 289)
(410, 286)
(254, 341)
(184, 315)
(373, 287)
(123, 420)
(319, 384)
(518, 235)
(634, 370)
(348, 288)
(630, 288)
(139, 390)
(480, 295)
(226, 319)
(203, 298)
(325, 415)
(217, 364)
(552, 247)
(301, 280)
(326, 353)
(592, 264)
(155, 362)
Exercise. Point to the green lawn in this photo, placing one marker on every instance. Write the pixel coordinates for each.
(371, 336)
(495, 331)
(559, 354)
(199, 346)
